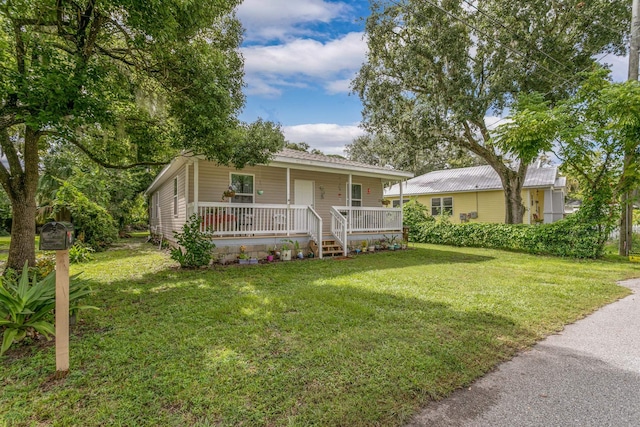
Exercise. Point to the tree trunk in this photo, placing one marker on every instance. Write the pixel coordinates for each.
(514, 210)
(22, 192)
(23, 233)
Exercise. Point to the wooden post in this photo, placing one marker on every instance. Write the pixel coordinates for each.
(62, 311)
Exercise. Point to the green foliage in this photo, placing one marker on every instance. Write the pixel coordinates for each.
(26, 304)
(93, 224)
(196, 247)
(45, 264)
(80, 253)
(582, 235)
(414, 214)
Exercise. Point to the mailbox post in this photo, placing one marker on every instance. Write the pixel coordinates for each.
(58, 236)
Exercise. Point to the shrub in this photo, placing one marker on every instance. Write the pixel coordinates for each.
(79, 253)
(414, 214)
(197, 245)
(26, 304)
(95, 227)
(571, 237)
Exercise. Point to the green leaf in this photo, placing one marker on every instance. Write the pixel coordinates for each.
(7, 339)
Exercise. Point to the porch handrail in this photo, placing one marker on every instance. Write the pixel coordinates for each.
(367, 219)
(339, 227)
(315, 229)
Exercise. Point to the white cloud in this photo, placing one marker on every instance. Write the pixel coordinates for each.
(330, 64)
(339, 86)
(280, 19)
(326, 137)
(307, 56)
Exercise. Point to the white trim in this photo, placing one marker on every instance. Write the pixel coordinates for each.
(196, 184)
(351, 194)
(186, 185)
(441, 205)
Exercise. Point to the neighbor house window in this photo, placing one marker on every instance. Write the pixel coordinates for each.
(356, 194)
(441, 206)
(396, 203)
(243, 186)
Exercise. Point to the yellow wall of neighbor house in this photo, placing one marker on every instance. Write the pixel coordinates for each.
(488, 204)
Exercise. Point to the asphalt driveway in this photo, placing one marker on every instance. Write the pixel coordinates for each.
(588, 375)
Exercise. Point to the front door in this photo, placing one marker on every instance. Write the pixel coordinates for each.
(304, 192)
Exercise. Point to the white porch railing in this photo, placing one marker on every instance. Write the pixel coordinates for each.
(339, 227)
(315, 229)
(361, 219)
(238, 219)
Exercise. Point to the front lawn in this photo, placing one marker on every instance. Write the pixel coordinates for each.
(365, 341)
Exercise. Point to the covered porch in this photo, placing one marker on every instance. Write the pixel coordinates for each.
(240, 222)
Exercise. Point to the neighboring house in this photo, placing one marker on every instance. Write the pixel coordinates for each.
(299, 196)
(475, 194)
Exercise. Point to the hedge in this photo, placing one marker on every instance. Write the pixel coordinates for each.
(574, 236)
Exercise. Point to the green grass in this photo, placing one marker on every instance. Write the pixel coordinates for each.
(365, 341)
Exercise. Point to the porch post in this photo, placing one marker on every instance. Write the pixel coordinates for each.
(186, 188)
(529, 206)
(196, 184)
(288, 199)
(401, 200)
(349, 203)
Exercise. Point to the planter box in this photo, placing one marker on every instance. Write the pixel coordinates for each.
(248, 261)
(285, 255)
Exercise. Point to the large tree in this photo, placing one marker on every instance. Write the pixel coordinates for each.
(127, 82)
(436, 68)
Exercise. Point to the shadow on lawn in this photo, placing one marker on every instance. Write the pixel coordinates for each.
(227, 345)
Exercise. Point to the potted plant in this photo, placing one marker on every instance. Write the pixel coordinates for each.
(285, 250)
(230, 193)
(385, 202)
(405, 244)
(372, 246)
(364, 245)
(377, 245)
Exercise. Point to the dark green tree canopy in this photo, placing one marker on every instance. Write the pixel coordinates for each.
(128, 82)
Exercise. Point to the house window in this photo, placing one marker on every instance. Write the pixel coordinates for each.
(243, 186)
(156, 205)
(396, 203)
(441, 206)
(175, 196)
(356, 194)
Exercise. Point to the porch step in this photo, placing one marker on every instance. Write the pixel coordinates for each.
(331, 248)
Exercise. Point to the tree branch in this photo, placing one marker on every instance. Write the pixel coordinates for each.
(101, 162)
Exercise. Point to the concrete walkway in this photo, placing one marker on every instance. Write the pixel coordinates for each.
(588, 375)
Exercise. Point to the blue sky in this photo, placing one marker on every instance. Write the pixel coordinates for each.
(300, 56)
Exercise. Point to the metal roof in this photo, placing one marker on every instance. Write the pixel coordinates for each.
(478, 178)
